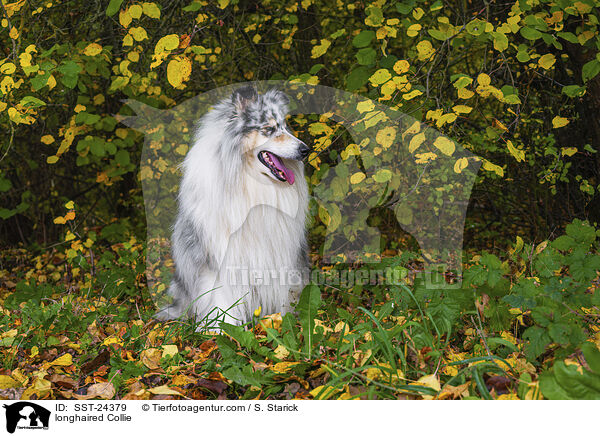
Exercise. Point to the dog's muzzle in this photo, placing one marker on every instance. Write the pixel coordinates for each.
(304, 150)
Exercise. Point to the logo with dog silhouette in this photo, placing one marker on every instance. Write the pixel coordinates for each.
(26, 415)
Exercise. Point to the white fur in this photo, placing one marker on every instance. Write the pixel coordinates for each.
(247, 220)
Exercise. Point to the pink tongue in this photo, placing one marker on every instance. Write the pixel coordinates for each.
(289, 174)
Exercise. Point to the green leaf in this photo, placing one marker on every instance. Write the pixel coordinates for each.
(592, 356)
(363, 39)
(5, 184)
(357, 78)
(581, 232)
(573, 90)
(366, 56)
(245, 337)
(590, 70)
(530, 33)
(192, 7)
(538, 340)
(32, 101)
(570, 382)
(113, 7)
(308, 304)
(122, 157)
(97, 148)
(476, 27)
(500, 41)
(563, 243)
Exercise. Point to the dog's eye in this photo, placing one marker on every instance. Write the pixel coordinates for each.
(268, 131)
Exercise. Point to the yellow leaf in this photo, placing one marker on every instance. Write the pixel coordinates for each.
(7, 382)
(465, 93)
(272, 321)
(79, 108)
(423, 158)
(559, 122)
(365, 106)
(9, 334)
(519, 155)
(181, 149)
(169, 350)
(92, 49)
(488, 166)
(34, 351)
(483, 79)
(281, 352)
(163, 47)
(511, 396)
(425, 50)
(14, 33)
(223, 3)
(416, 142)
(135, 11)
(138, 33)
(414, 128)
(319, 323)
(133, 56)
(7, 68)
(64, 360)
(547, 61)
(431, 381)
(460, 165)
(52, 160)
(462, 109)
(568, 151)
(414, 93)
(324, 392)
(125, 18)
(5, 86)
(178, 71)
(151, 10)
(51, 82)
(401, 66)
(386, 136)
(446, 118)
(284, 366)
(379, 77)
(112, 340)
(445, 145)
(413, 30)
(380, 373)
(151, 357)
(164, 390)
(319, 50)
(70, 205)
(47, 139)
(357, 178)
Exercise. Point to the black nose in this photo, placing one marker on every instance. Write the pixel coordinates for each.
(304, 150)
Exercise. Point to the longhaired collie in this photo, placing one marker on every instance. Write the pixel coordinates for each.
(239, 240)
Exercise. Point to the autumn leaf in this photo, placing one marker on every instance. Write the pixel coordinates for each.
(558, 122)
(178, 71)
(93, 49)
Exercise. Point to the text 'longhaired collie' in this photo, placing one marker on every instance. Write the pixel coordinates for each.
(239, 240)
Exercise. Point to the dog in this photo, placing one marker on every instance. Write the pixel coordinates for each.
(239, 240)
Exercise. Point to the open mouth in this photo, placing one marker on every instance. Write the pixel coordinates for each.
(275, 164)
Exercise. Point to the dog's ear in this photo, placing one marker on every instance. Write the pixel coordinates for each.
(278, 95)
(243, 96)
